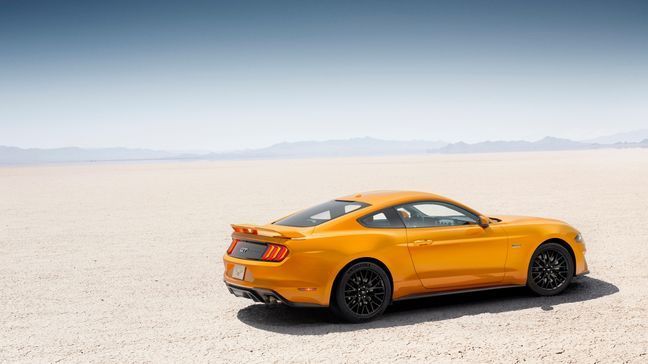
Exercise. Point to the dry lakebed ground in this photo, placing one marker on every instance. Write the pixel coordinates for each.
(121, 262)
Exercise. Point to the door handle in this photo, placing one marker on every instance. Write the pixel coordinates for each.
(423, 242)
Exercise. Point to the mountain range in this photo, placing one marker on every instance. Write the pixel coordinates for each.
(635, 136)
(333, 148)
(330, 148)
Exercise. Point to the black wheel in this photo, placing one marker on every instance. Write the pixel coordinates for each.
(362, 293)
(551, 269)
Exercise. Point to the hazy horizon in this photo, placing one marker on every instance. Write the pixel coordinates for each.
(219, 76)
(633, 136)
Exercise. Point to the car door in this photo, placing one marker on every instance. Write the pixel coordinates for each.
(449, 249)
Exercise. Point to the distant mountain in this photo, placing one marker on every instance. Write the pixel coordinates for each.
(334, 148)
(545, 144)
(307, 149)
(635, 136)
(13, 155)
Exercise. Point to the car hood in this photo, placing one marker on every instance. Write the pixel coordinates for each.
(525, 220)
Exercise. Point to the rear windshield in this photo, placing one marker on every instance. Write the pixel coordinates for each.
(321, 213)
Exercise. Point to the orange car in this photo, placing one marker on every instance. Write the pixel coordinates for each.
(357, 254)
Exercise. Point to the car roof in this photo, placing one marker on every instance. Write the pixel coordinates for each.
(385, 198)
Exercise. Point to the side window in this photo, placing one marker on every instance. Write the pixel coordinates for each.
(431, 214)
(386, 218)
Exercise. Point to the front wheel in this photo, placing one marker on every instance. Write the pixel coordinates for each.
(551, 270)
(362, 293)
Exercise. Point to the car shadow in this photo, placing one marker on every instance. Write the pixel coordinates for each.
(318, 321)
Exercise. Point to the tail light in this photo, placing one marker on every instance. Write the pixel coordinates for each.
(232, 246)
(275, 253)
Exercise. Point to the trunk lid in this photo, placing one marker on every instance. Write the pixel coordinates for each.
(264, 242)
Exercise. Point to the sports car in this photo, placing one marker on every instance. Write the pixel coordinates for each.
(359, 253)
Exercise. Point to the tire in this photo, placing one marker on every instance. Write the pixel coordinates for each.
(551, 270)
(363, 293)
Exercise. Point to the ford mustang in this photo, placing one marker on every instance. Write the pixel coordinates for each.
(359, 253)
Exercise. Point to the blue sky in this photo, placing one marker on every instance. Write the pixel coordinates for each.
(242, 74)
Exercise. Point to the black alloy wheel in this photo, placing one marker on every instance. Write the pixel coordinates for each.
(551, 269)
(362, 293)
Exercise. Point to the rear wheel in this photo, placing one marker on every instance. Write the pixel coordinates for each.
(362, 293)
(551, 269)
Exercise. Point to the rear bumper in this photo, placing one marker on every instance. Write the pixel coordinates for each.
(289, 280)
(263, 295)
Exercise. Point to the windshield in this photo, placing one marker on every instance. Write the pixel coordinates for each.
(321, 213)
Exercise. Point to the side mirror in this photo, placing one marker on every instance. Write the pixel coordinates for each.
(484, 221)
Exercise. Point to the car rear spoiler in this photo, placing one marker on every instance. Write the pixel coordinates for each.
(264, 231)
